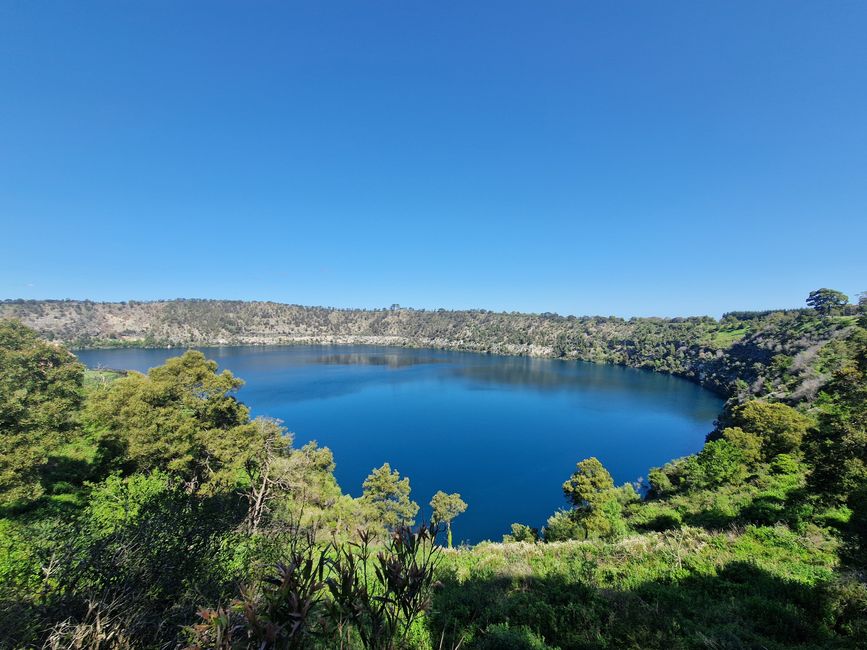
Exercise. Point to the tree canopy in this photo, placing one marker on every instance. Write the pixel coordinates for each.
(181, 417)
(445, 508)
(596, 507)
(780, 427)
(40, 394)
(825, 301)
(388, 495)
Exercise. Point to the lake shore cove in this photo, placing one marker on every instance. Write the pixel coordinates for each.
(133, 508)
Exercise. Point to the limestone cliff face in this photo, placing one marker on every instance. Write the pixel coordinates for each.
(702, 349)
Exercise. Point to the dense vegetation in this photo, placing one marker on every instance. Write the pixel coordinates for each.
(151, 511)
(771, 353)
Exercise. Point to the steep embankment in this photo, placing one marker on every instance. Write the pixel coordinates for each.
(742, 346)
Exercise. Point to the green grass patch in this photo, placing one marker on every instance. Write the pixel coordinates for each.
(727, 337)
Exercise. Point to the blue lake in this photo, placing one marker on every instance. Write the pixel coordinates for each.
(505, 432)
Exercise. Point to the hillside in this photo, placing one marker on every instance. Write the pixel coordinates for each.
(151, 511)
(741, 347)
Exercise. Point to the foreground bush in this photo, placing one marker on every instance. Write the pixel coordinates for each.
(331, 596)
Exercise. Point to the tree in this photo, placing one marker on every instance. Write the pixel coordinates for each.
(522, 533)
(596, 507)
(388, 494)
(780, 427)
(267, 469)
(181, 418)
(825, 301)
(445, 508)
(587, 483)
(749, 443)
(40, 396)
(720, 462)
(838, 444)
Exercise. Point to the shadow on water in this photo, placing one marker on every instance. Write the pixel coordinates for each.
(551, 375)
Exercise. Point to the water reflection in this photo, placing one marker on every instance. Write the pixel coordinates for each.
(505, 432)
(372, 359)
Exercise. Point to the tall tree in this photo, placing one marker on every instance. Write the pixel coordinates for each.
(825, 301)
(591, 492)
(388, 494)
(182, 418)
(268, 470)
(40, 395)
(445, 508)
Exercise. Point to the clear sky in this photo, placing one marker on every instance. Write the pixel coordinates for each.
(629, 158)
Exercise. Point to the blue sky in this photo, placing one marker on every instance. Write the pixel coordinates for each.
(629, 158)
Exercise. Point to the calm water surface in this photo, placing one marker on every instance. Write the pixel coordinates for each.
(505, 432)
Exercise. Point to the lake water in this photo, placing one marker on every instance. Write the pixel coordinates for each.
(505, 432)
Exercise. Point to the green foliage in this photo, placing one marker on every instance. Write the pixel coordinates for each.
(588, 483)
(338, 593)
(181, 418)
(826, 301)
(747, 443)
(719, 462)
(503, 637)
(564, 525)
(388, 495)
(445, 508)
(40, 394)
(780, 427)
(654, 516)
(522, 533)
(119, 502)
(755, 587)
(596, 503)
(382, 607)
(286, 610)
(838, 445)
(140, 553)
(660, 482)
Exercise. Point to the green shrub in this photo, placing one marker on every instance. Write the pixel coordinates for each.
(785, 464)
(656, 518)
(749, 444)
(503, 637)
(562, 526)
(660, 483)
(718, 463)
(781, 428)
(522, 533)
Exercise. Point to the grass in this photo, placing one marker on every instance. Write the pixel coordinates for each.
(96, 378)
(753, 586)
(727, 337)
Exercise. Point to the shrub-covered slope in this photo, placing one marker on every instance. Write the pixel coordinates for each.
(782, 352)
(150, 511)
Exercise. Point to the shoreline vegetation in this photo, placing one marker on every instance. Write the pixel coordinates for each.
(150, 510)
(719, 355)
